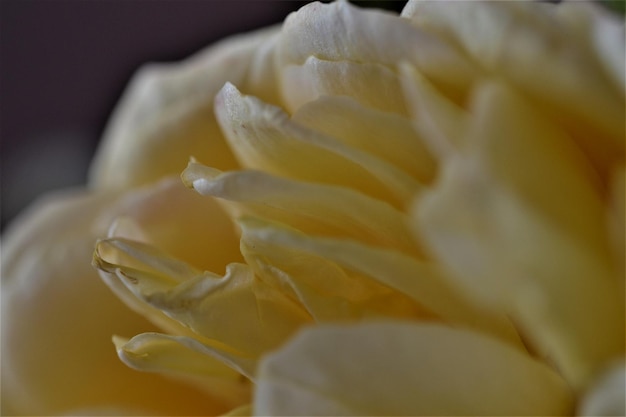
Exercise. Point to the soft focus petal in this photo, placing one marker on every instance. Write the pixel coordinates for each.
(386, 135)
(360, 40)
(529, 45)
(189, 227)
(166, 115)
(192, 228)
(328, 292)
(405, 369)
(243, 411)
(316, 208)
(58, 318)
(238, 310)
(606, 396)
(519, 222)
(335, 274)
(442, 124)
(372, 85)
(263, 137)
(153, 352)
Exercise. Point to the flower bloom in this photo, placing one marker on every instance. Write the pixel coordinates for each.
(390, 215)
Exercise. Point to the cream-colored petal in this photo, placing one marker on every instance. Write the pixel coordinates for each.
(243, 411)
(344, 269)
(163, 354)
(606, 396)
(372, 85)
(441, 123)
(600, 30)
(263, 137)
(58, 318)
(341, 32)
(381, 133)
(396, 368)
(190, 227)
(328, 292)
(315, 208)
(617, 219)
(237, 310)
(166, 116)
(528, 44)
(520, 224)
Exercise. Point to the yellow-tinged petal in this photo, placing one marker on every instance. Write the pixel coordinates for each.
(166, 115)
(190, 227)
(237, 310)
(530, 45)
(372, 85)
(387, 135)
(339, 32)
(328, 292)
(315, 208)
(153, 352)
(606, 396)
(346, 269)
(58, 318)
(441, 123)
(617, 220)
(243, 411)
(405, 369)
(519, 222)
(263, 137)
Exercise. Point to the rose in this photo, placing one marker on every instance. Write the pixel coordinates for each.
(502, 254)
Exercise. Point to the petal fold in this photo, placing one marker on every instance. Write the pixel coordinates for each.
(263, 137)
(434, 370)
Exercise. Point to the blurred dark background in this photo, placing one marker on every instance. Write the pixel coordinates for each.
(65, 63)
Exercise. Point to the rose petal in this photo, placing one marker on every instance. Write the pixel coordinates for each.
(345, 269)
(317, 208)
(58, 318)
(349, 370)
(263, 137)
(372, 85)
(519, 222)
(237, 310)
(606, 395)
(531, 46)
(441, 123)
(341, 32)
(163, 354)
(381, 133)
(165, 116)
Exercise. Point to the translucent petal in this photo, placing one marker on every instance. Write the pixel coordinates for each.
(530, 45)
(519, 222)
(328, 292)
(411, 370)
(165, 116)
(316, 208)
(163, 354)
(616, 220)
(190, 227)
(372, 85)
(243, 411)
(350, 270)
(342, 32)
(237, 310)
(263, 137)
(381, 133)
(441, 123)
(58, 318)
(606, 396)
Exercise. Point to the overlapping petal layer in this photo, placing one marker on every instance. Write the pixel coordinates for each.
(446, 184)
(405, 369)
